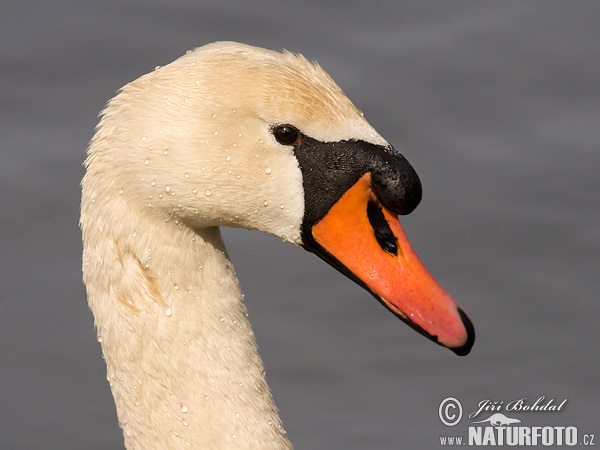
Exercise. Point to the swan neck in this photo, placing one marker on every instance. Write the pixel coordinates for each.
(181, 357)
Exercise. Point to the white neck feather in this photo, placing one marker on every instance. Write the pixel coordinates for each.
(182, 360)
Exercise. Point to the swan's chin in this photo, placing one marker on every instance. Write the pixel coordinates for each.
(364, 240)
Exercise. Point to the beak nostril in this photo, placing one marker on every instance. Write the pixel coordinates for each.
(381, 229)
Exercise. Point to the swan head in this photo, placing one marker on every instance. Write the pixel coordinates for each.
(240, 136)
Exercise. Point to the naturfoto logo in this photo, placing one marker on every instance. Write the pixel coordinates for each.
(494, 428)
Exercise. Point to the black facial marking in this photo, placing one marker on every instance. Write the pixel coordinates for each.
(382, 231)
(329, 169)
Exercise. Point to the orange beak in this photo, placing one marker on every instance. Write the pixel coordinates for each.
(362, 237)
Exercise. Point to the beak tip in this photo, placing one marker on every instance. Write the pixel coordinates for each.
(464, 349)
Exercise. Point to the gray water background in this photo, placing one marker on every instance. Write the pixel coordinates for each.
(497, 106)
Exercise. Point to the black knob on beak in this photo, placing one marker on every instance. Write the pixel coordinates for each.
(395, 182)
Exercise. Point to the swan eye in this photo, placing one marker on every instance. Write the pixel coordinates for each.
(287, 135)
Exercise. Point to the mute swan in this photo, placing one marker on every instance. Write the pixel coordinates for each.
(233, 135)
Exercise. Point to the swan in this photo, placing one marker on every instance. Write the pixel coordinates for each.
(238, 136)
